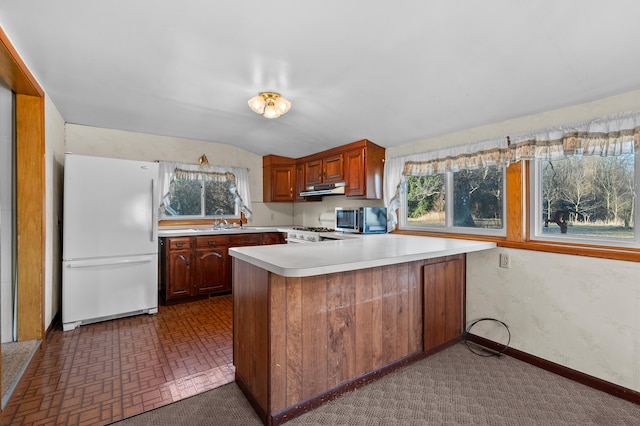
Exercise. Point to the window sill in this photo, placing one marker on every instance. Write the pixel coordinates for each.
(196, 222)
(603, 252)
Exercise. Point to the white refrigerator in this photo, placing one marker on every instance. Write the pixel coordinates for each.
(109, 237)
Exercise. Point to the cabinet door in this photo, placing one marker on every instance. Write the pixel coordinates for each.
(333, 169)
(282, 183)
(250, 239)
(178, 274)
(354, 173)
(211, 271)
(313, 173)
(272, 238)
(443, 301)
(300, 182)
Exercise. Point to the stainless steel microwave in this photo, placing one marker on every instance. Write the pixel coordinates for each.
(363, 220)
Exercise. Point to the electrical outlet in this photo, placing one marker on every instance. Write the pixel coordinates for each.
(504, 261)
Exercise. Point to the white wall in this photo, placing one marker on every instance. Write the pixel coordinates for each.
(54, 157)
(86, 140)
(579, 312)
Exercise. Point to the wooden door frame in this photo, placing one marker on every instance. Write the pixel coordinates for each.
(31, 190)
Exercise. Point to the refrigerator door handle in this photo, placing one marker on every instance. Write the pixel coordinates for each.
(154, 210)
(107, 262)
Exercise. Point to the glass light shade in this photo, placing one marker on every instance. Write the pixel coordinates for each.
(282, 105)
(269, 104)
(271, 111)
(257, 104)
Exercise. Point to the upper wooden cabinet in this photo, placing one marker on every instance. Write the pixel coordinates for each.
(301, 181)
(324, 170)
(278, 179)
(359, 164)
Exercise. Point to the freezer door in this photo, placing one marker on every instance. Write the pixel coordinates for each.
(110, 207)
(94, 290)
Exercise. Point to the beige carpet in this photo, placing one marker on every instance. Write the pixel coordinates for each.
(15, 359)
(453, 387)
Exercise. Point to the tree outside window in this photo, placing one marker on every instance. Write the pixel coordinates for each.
(201, 198)
(589, 196)
(475, 201)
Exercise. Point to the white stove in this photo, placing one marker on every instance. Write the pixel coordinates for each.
(309, 234)
(306, 234)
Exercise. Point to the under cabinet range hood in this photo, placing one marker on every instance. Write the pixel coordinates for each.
(324, 189)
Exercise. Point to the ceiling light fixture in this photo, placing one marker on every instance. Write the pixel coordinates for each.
(269, 104)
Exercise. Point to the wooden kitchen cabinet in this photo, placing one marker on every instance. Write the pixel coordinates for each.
(313, 173)
(359, 164)
(192, 267)
(210, 265)
(267, 238)
(242, 240)
(364, 170)
(283, 185)
(355, 172)
(324, 170)
(443, 303)
(175, 277)
(279, 179)
(301, 182)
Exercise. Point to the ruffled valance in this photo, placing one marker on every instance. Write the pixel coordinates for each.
(608, 136)
(204, 176)
(169, 171)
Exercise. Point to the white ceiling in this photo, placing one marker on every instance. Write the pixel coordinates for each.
(393, 72)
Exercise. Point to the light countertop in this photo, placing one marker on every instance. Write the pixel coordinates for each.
(188, 232)
(302, 260)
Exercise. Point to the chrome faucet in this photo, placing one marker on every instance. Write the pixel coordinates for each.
(216, 221)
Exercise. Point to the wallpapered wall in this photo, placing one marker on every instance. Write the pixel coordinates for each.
(576, 311)
(579, 312)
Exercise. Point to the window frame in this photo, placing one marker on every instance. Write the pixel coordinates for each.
(517, 198)
(448, 227)
(535, 214)
(236, 216)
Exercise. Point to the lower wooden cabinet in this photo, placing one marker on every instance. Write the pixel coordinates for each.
(210, 271)
(443, 300)
(177, 268)
(273, 238)
(200, 266)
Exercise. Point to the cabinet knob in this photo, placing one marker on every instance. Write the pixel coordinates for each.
(211, 242)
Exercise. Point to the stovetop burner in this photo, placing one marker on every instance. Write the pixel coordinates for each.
(312, 229)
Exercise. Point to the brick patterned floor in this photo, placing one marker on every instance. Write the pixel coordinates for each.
(104, 372)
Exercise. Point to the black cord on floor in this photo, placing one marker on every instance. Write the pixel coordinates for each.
(487, 352)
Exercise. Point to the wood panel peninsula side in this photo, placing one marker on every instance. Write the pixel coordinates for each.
(312, 321)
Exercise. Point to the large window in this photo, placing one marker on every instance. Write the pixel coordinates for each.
(466, 201)
(582, 193)
(586, 199)
(191, 191)
(193, 198)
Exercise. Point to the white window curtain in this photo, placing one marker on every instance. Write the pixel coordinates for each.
(608, 136)
(455, 158)
(169, 171)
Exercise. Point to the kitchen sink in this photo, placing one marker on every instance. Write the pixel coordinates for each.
(213, 231)
(178, 231)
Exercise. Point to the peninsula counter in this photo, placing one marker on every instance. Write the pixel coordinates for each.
(312, 321)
